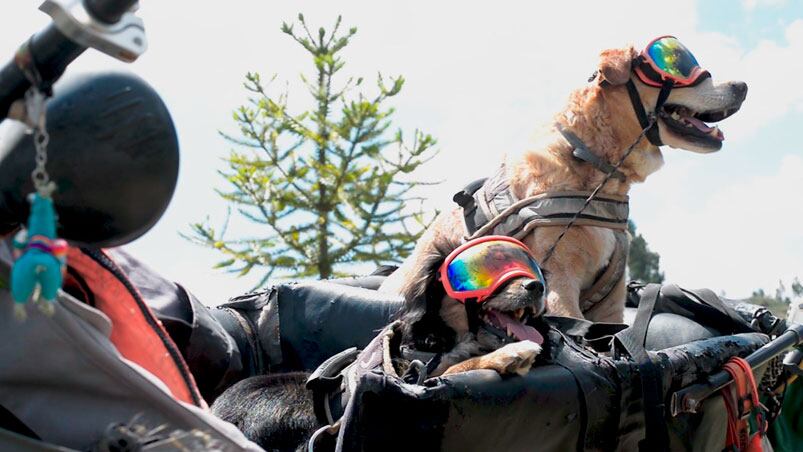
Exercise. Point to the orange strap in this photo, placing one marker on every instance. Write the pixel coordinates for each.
(138, 335)
(740, 398)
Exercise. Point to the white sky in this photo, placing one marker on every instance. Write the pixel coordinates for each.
(482, 79)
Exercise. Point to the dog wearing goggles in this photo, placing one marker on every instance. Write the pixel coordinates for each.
(483, 296)
(477, 307)
(634, 103)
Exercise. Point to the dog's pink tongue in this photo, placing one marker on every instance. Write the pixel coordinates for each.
(519, 330)
(701, 126)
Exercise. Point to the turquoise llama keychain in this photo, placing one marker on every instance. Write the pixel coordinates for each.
(38, 271)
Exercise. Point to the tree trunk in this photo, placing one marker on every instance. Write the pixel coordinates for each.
(324, 264)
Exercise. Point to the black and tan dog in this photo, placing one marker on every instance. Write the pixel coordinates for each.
(503, 341)
(276, 411)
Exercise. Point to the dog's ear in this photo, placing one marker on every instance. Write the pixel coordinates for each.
(422, 325)
(615, 66)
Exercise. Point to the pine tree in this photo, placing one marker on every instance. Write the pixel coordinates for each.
(330, 185)
(643, 264)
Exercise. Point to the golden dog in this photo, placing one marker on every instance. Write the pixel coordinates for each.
(602, 116)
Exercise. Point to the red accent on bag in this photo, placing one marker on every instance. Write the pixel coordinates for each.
(740, 398)
(138, 335)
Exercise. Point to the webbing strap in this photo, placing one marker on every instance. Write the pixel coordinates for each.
(326, 384)
(632, 340)
(489, 207)
(517, 219)
(613, 273)
(580, 151)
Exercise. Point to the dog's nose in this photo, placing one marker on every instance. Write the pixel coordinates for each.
(739, 90)
(533, 285)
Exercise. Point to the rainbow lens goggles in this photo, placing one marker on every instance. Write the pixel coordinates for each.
(664, 59)
(479, 267)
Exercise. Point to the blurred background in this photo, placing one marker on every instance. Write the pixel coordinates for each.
(482, 79)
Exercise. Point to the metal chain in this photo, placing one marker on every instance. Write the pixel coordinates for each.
(608, 176)
(35, 104)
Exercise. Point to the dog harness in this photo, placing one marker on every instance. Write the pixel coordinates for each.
(491, 208)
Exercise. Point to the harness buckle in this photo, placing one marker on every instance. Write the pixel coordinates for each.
(465, 197)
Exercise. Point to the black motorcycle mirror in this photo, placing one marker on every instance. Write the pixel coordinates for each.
(113, 154)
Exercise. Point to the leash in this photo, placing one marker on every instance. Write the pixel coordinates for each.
(611, 173)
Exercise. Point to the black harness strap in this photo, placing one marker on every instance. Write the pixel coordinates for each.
(632, 340)
(663, 95)
(473, 314)
(643, 118)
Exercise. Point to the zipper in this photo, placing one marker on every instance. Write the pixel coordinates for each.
(107, 263)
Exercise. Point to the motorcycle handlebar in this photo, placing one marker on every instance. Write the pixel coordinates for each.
(108, 11)
(51, 52)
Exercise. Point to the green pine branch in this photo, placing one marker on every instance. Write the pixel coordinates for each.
(330, 185)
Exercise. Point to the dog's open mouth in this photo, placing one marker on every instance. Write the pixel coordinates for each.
(691, 125)
(510, 325)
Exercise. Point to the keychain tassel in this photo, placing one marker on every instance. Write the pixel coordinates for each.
(38, 272)
(39, 269)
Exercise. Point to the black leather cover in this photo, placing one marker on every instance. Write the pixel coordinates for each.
(300, 325)
(572, 400)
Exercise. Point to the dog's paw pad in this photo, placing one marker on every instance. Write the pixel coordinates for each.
(517, 358)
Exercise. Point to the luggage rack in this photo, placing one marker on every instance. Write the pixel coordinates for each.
(688, 400)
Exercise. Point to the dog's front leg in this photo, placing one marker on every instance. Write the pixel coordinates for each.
(563, 298)
(465, 348)
(516, 358)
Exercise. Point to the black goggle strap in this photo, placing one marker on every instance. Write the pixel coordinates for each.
(473, 314)
(652, 133)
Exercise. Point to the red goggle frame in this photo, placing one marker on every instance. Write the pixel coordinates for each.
(665, 58)
(479, 267)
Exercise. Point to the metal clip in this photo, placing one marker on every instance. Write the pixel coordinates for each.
(124, 40)
(35, 109)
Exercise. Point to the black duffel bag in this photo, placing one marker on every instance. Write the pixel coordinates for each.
(583, 400)
(594, 387)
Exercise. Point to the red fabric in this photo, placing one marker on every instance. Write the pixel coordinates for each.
(755, 444)
(136, 332)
